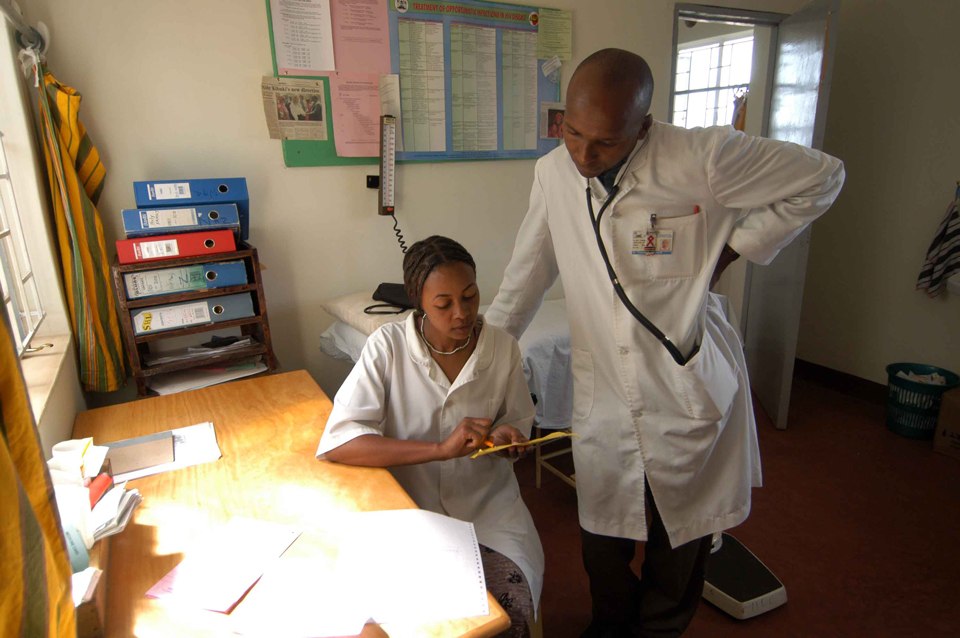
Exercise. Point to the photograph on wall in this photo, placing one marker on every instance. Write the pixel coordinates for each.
(551, 120)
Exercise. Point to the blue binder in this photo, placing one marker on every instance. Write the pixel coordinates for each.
(165, 281)
(144, 222)
(177, 192)
(191, 313)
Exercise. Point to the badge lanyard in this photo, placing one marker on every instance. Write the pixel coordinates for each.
(621, 293)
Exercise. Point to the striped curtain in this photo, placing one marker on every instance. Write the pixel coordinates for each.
(35, 597)
(75, 176)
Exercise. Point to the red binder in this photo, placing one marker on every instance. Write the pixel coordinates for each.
(159, 247)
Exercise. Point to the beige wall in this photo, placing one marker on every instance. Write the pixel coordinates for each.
(893, 119)
(171, 90)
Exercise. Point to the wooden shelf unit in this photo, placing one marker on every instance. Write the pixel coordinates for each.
(256, 327)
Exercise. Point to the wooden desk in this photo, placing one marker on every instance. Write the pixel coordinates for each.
(268, 428)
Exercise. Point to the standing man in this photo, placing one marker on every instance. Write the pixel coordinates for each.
(667, 450)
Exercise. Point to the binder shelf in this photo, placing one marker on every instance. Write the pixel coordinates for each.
(192, 282)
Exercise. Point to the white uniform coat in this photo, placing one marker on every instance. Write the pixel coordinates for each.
(687, 430)
(396, 389)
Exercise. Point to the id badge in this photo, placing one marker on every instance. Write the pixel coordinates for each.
(652, 242)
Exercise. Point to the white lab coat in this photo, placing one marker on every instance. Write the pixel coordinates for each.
(689, 431)
(397, 390)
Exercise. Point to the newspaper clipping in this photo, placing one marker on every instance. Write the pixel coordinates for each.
(294, 109)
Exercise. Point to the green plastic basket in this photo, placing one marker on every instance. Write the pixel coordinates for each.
(913, 407)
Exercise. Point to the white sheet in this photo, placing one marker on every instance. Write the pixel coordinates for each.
(545, 348)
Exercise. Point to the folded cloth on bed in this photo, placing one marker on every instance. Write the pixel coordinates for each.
(349, 310)
(545, 350)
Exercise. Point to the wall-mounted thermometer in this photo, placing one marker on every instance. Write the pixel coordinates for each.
(388, 163)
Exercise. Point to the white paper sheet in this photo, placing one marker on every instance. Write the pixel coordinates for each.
(413, 566)
(299, 597)
(302, 36)
(390, 102)
(84, 585)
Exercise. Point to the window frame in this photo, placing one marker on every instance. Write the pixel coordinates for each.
(729, 15)
(19, 291)
(723, 47)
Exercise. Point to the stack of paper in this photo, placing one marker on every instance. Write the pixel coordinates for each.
(195, 352)
(205, 376)
(112, 513)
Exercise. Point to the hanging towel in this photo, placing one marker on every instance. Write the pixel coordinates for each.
(943, 256)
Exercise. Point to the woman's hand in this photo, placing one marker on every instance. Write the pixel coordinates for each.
(506, 434)
(466, 438)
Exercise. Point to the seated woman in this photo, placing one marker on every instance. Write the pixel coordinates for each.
(428, 392)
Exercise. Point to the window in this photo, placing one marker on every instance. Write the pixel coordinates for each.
(21, 298)
(709, 77)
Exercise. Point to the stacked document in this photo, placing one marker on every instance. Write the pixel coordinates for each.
(202, 377)
(195, 352)
(112, 513)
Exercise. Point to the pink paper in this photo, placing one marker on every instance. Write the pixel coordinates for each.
(361, 41)
(355, 102)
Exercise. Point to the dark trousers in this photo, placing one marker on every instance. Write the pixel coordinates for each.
(662, 601)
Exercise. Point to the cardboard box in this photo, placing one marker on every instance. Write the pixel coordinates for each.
(947, 439)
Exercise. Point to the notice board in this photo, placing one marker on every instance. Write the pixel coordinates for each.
(470, 75)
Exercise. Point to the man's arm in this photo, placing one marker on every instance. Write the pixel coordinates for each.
(531, 271)
(781, 187)
(727, 257)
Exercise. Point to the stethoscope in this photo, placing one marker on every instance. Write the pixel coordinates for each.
(621, 293)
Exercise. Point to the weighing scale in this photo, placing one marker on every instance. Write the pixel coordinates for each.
(737, 582)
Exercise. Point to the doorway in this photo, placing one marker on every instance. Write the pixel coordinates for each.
(722, 74)
(789, 69)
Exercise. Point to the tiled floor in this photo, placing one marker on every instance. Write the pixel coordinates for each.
(860, 524)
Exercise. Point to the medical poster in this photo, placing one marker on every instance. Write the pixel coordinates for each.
(470, 85)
